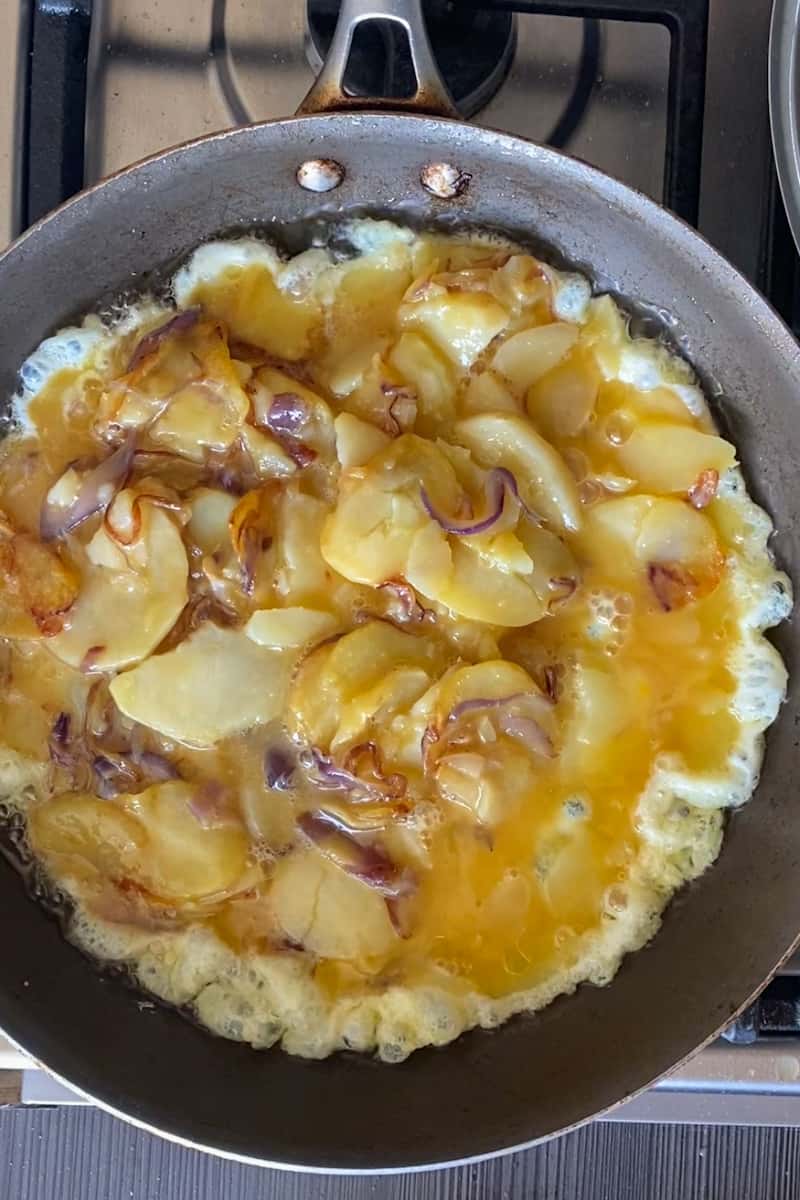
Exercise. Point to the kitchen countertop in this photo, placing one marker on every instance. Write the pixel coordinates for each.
(82, 1154)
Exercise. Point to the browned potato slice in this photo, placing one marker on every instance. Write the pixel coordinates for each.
(37, 588)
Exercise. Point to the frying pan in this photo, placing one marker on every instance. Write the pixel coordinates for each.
(722, 937)
(784, 105)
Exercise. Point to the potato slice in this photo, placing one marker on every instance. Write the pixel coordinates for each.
(393, 694)
(216, 683)
(520, 282)
(339, 687)
(568, 875)
(496, 679)
(660, 544)
(200, 419)
(302, 576)
(528, 355)
(128, 600)
(236, 284)
(379, 510)
(544, 480)
(605, 335)
(460, 324)
(459, 577)
(269, 458)
(670, 531)
(364, 308)
(328, 912)
(187, 380)
(664, 457)
(348, 372)
(182, 858)
(284, 628)
(357, 441)
(562, 401)
(602, 707)
(632, 531)
(489, 786)
(486, 393)
(79, 837)
(555, 572)
(152, 839)
(422, 365)
(314, 700)
(365, 656)
(208, 525)
(317, 432)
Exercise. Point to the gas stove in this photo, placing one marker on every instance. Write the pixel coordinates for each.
(668, 95)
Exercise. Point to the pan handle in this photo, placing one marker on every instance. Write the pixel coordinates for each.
(431, 96)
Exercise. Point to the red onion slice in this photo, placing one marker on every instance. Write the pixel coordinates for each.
(96, 493)
(672, 585)
(288, 414)
(551, 677)
(325, 774)
(279, 769)
(365, 759)
(367, 862)
(59, 740)
(704, 489)
(156, 767)
(113, 776)
(180, 323)
(409, 609)
(498, 483)
(481, 702)
(529, 732)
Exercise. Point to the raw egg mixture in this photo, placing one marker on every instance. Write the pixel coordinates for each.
(381, 636)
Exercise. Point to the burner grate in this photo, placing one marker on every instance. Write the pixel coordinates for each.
(59, 40)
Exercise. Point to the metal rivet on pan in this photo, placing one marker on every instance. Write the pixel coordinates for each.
(444, 181)
(320, 174)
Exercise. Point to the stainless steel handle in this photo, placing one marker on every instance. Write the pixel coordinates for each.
(431, 96)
